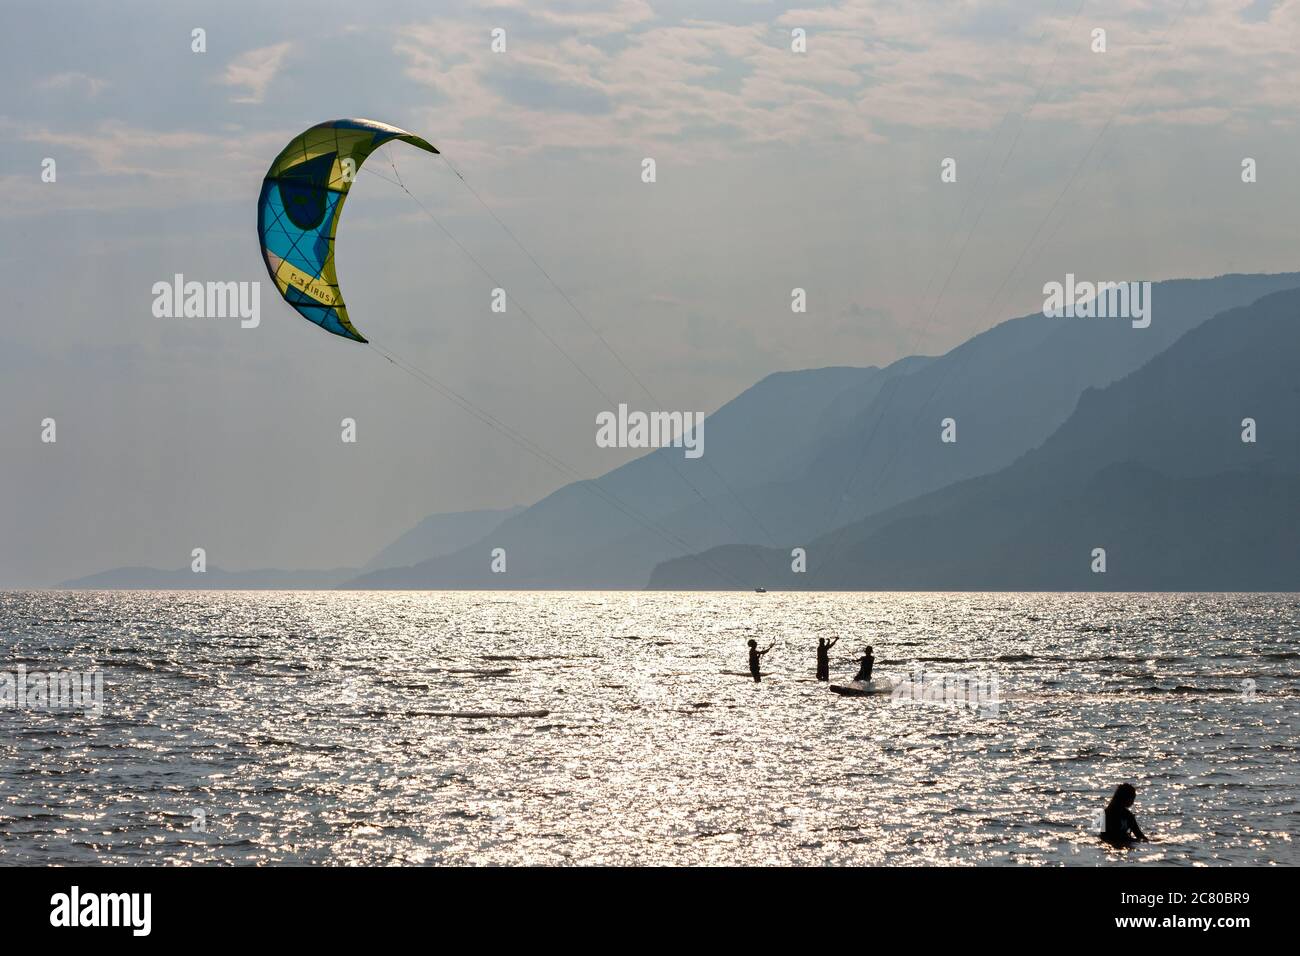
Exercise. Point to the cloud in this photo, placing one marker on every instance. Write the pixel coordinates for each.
(659, 89)
(120, 166)
(708, 88)
(92, 86)
(255, 70)
(590, 17)
(115, 148)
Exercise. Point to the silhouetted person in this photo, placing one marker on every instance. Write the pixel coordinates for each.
(755, 655)
(824, 658)
(865, 663)
(1122, 828)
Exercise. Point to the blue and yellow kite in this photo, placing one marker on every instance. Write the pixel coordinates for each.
(298, 213)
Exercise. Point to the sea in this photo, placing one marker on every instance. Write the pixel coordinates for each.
(612, 728)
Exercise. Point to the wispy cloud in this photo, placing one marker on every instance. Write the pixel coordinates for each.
(117, 149)
(90, 85)
(122, 166)
(254, 71)
(590, 17)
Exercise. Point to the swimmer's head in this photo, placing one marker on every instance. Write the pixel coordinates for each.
(1125, 794)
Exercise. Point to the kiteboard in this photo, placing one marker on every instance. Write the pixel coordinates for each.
(859, 688)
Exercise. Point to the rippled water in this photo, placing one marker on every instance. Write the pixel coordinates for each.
(304, 727)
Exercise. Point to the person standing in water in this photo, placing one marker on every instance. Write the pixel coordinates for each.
(1122, 828)
(824, 657)
(755, 655)
(865, 663)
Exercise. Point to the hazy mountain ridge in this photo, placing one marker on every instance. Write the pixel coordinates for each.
(788, 461)
(796, 468)
(576, 537)
(184, 579)
(782, 397)
(437, 534)
(1151, 468)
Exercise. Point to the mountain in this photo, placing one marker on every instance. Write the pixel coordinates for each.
(436, 535)
(593, 534)
(183, 579)
(1151, 468)
(439, 534)
(802, 453)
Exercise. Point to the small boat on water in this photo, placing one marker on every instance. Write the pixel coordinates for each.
(760, 590)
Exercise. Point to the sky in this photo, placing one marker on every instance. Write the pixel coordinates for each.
(775, 170)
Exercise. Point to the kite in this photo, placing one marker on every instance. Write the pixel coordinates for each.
(298, 213)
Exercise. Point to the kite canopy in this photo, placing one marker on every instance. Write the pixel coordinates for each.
(298, 213)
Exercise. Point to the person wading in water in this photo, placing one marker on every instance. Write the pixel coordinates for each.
(865, 663)
(1122, 828)
(755, 655)
(824, 657)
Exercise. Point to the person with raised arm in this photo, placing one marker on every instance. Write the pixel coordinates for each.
(755, 656)
(824, 657)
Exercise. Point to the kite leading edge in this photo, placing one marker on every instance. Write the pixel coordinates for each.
(298, 213)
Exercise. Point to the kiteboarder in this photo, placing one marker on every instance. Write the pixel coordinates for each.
(754, 656)
(1122, 828)
(824, 657)
(865, 663)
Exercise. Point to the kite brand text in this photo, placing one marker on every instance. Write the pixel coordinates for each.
(1098, 300)
(179, 299)
(651, 430)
